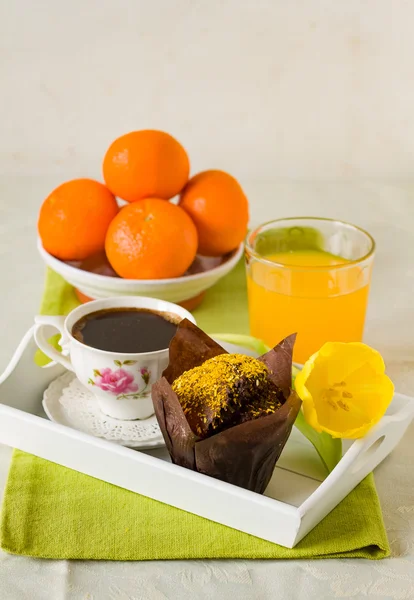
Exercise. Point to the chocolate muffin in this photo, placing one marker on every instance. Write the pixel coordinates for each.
(225, 391)
(224, 415)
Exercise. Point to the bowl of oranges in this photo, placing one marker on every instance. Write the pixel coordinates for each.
(150, 229)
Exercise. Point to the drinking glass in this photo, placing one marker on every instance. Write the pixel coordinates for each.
(311, 276)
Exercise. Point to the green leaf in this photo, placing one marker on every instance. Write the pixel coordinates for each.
(328, 448)
(246, 341)
(96, 373)
(90, 381)
(118, 363)
(128, 362)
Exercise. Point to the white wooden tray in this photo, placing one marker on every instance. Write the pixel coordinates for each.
(297, 498)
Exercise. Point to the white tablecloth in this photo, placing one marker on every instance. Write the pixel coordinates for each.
(387, 211)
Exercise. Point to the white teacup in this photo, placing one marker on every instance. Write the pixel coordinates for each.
(120, 382)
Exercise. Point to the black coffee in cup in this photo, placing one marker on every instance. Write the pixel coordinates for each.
(126, 330)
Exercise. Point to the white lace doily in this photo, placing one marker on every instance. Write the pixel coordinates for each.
(68, 402)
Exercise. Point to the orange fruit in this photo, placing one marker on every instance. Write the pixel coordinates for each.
(217, 205)
(146, 164)
(151, 239)
(74, 219)
(83, 298)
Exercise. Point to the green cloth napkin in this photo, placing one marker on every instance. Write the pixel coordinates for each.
(50, 511)
(53, 512)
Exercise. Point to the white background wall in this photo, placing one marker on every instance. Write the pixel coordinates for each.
(265, 89)
(277, 92)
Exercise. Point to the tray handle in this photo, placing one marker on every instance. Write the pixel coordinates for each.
(361, 458)
(380, 441)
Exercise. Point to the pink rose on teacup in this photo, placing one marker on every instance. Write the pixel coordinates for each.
(115, 382)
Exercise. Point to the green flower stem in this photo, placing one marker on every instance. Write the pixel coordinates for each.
(328, 448)
(133, 395)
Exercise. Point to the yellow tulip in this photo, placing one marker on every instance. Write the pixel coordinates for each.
(344, 389)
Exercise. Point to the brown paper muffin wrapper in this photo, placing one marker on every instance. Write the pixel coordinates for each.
(245, 454)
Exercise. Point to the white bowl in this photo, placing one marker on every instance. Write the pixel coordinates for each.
(178, 289)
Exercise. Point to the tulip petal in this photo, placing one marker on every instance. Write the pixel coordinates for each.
(344, 389)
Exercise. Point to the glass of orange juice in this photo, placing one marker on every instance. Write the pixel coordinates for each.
(310, 276)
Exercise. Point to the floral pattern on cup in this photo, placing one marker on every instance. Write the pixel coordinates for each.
(120, 382)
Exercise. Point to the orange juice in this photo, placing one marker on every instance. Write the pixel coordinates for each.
(320, 296)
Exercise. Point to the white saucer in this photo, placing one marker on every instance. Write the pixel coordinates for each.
(68, 402)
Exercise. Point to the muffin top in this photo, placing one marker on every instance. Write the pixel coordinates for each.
(225, 391)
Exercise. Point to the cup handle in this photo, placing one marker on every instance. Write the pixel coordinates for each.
(41, 323)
